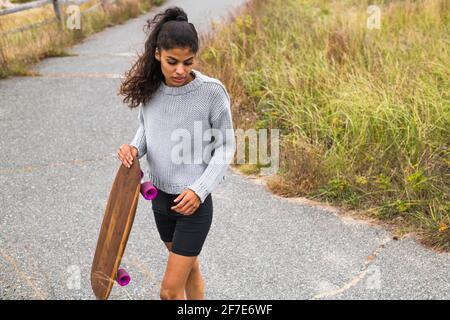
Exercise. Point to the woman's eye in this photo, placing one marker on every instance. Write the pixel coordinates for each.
(174, 63)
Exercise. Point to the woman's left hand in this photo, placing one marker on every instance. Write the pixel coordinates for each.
(188, 204)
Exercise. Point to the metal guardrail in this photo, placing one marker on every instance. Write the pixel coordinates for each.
(25, 6)
(56, 8)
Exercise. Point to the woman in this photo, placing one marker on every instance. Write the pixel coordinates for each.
(178, 101)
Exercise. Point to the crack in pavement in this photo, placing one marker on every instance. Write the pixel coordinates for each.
(38, 293)
(355, 280)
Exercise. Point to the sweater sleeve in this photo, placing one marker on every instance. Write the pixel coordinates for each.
(223, 148)
(139, 141)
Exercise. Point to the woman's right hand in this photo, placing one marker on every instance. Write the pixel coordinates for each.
(126, 154)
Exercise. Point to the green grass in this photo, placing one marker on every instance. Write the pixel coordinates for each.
(364, 114)
(21, 1)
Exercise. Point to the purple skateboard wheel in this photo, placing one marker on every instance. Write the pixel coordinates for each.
(123, 278)
(148, 190)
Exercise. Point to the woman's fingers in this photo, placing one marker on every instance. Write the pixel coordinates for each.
(191, 211)
(178, 207)
(130, 159)
(186, 206)
(125, 155)
(188, 209)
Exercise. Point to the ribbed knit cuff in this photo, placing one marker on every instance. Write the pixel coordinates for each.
(140, 143)
(200, 190)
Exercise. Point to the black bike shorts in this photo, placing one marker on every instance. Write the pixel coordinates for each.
(186, 232)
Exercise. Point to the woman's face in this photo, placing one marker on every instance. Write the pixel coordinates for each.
(176, 65)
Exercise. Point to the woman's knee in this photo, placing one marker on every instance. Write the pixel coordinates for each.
(176, 276)
(195, 279)
(167, 294)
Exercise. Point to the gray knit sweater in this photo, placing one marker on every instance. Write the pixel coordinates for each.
(187, 134)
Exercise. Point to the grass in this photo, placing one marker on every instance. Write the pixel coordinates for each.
(364, 114)
(20, 1)
(19, 50)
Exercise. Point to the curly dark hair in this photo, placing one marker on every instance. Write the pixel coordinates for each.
(169, 29)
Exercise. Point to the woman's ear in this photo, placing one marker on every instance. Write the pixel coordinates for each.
(157, 55)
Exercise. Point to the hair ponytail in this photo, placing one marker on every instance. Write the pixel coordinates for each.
(169, 29)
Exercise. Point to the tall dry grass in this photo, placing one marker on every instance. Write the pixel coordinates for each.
(364, 114)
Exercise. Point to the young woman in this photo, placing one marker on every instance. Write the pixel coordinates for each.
(178, 101)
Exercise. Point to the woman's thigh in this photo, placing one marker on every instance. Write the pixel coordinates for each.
(191, 231)
(186, 234)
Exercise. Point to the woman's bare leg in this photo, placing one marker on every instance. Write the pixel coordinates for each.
(195, 286)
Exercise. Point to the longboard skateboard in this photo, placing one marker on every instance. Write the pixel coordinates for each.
(117, 222)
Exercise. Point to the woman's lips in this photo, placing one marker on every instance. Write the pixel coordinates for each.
(179, 80)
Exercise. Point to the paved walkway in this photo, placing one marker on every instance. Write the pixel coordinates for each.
(60, 133)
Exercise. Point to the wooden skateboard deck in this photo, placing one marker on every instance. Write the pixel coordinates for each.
(117, 221)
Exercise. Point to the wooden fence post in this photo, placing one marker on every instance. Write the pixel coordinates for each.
(57, 10)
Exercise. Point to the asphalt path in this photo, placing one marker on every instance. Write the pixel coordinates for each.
(59, 137)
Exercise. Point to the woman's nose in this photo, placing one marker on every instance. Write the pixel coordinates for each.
(180, 70)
